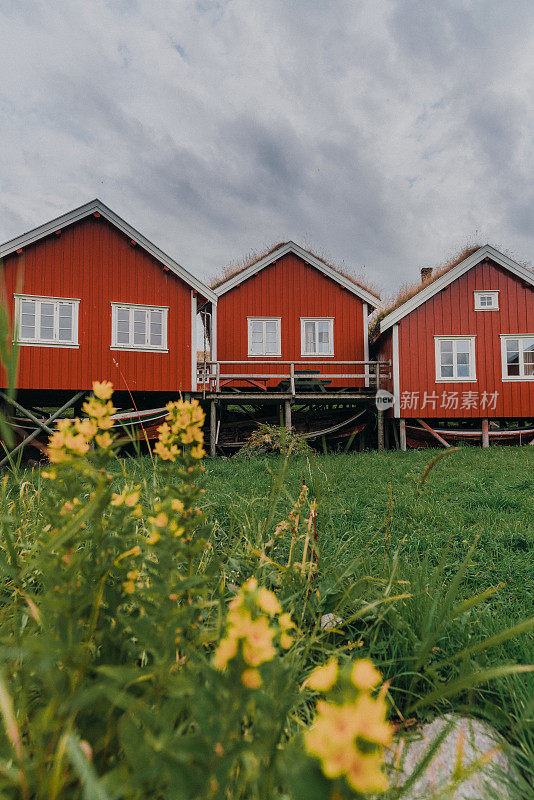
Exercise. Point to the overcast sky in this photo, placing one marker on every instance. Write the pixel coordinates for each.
(385, 134)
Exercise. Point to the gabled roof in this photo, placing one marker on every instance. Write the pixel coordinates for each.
(290, 247)
(96, 206)
(429, 289)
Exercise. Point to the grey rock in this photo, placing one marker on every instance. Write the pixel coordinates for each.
(469, 739)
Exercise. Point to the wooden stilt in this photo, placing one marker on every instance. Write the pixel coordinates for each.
(395, 434)
(485, 433)
(213, 428)
(287, 414)
(402, 434)
(380, 429)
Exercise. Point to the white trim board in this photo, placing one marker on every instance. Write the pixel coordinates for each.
(487, 251)
(96, 206)
(309, 258)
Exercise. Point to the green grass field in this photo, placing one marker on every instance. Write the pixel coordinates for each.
(375, 498)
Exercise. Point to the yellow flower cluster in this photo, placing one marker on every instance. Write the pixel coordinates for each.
(251, 628)
(183, 426)
(348, 737)
(74, 436)
(170, 515)
(128, 498)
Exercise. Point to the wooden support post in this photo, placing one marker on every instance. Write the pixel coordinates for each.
(292, 379)
(213, 428)
(485, 433)
(402, 434)
(287, 414)
(380, 429)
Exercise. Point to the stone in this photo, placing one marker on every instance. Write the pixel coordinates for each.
(469, 737)
(329, 621)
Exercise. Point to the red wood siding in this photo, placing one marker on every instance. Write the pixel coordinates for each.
(290, 289)
(451, 312)
(93, 261)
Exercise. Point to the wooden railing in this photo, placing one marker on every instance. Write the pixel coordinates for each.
(214, 376)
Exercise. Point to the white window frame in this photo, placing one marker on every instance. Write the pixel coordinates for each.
(115, 345)
(278, 321)
(493, 293)
(37, 341)
(303, 352)
(519, 337)
(472, 360)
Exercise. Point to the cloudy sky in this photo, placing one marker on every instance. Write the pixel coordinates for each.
(385, 134)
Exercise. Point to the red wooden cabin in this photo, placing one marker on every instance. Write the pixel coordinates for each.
(462, 347)
(291, 306)
(94, 299)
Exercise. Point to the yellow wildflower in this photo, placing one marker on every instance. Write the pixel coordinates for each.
(267, 602)
(177, 506)
(129, 587)
(364, 675)
(198, 451)
(365, 775)
(87, 427)
(160, 520)
(251, 678)
(258, 647)
(285, 621)
(131, 499)
(103, 390)
(104, 440)
(117, 499)
(153, 537)
(285, 640)
(323, 678)
(226, 650)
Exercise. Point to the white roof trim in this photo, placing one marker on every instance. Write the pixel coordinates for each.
(487, 251)
(291, 247)
(97, 206)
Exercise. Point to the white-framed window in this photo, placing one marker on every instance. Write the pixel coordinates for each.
(137, 327)
(455, 358)
(46, 321)
(264, 336)
(487, 301)
(317, 336)
(517, 353)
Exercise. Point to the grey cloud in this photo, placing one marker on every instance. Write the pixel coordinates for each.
(382, 133)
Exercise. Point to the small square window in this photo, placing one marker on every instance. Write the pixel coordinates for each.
(455, 358)
(135, 327)
(317, 336)
(487, 301)
(264, 337)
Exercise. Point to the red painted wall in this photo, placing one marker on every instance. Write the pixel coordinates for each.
(290, 289)
(451, 312)
(93, 261)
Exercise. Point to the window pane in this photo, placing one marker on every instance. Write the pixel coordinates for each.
(528, 357)
(446, 346)
(512, 358)
(123, 315)
(139, 335)
(463, 370)
(65, 322)
(462, 346)
(446, 359)
(446, 372)
(27, 319)
(257, 331)
(309, 337)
